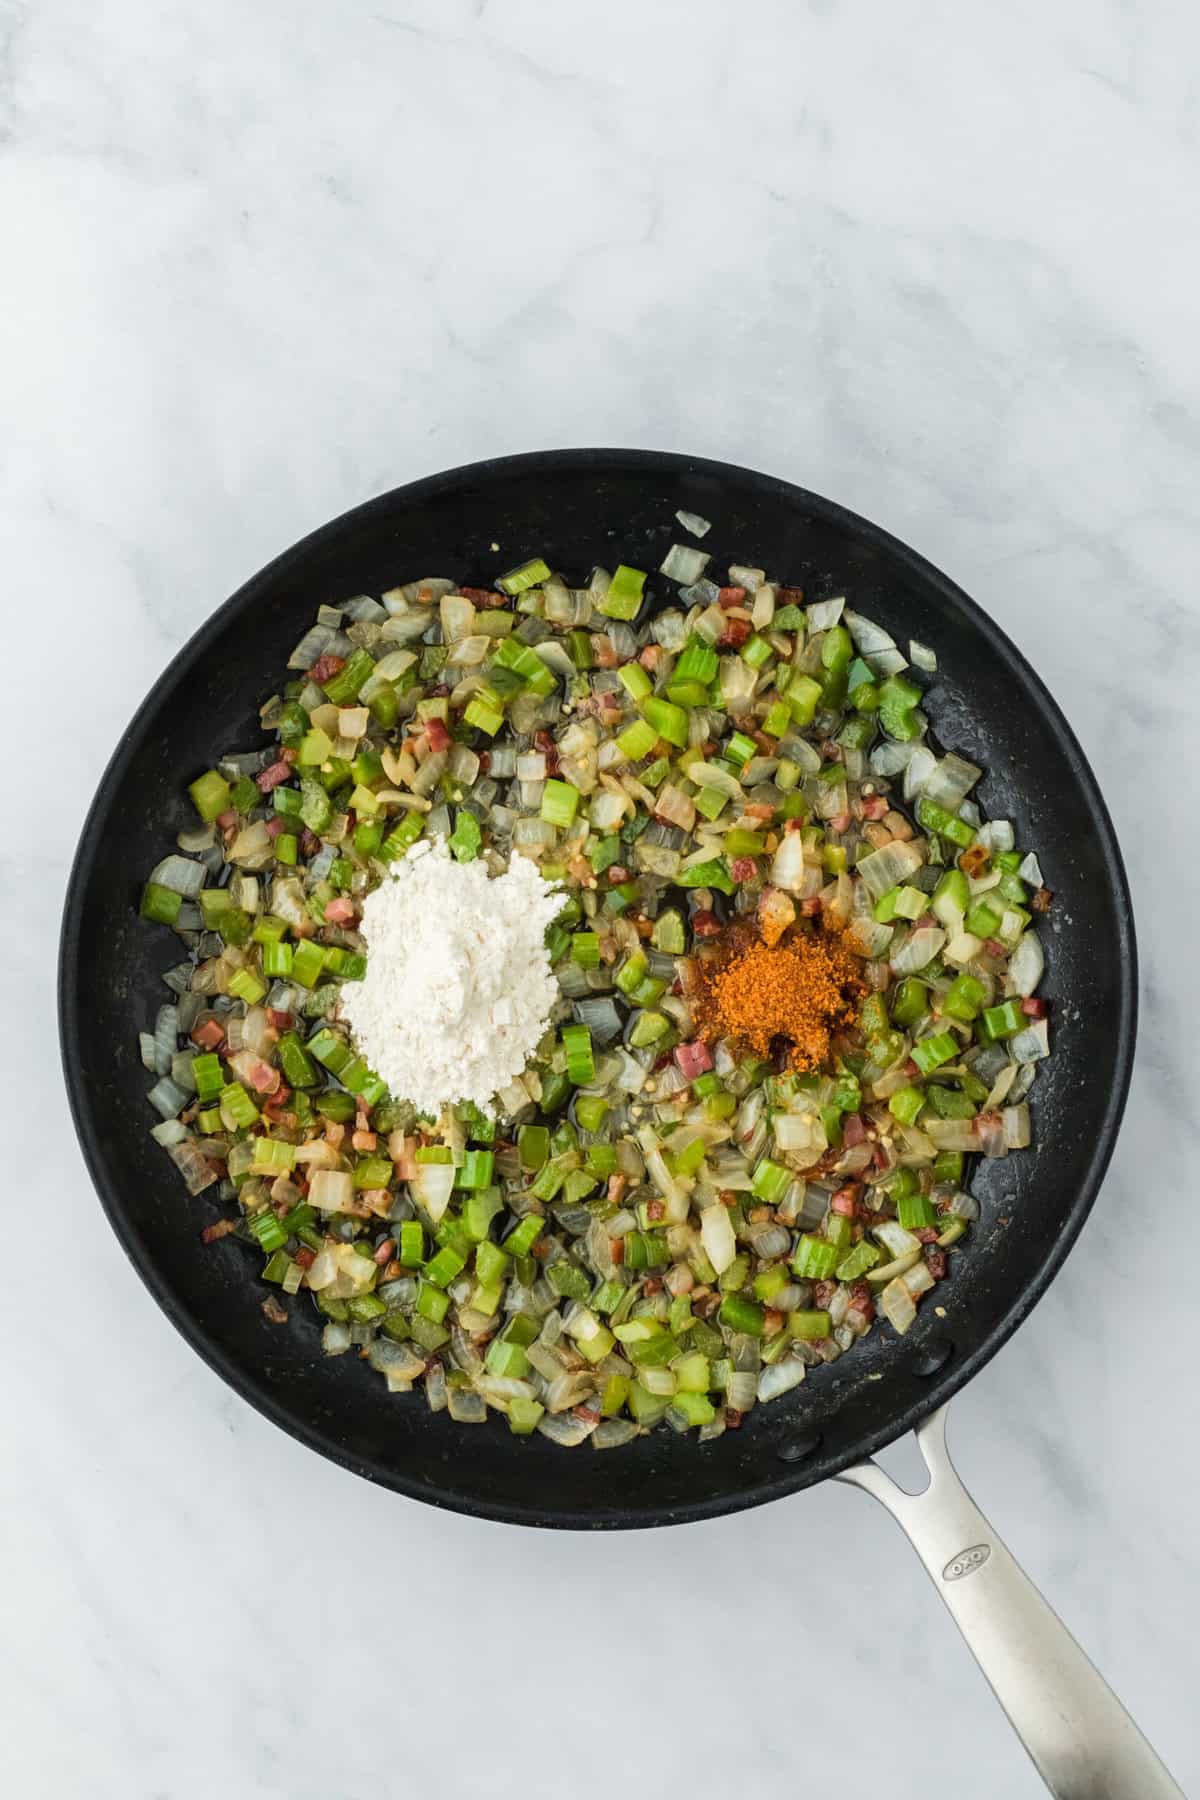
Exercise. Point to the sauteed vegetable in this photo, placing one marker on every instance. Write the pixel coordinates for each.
(797, 971)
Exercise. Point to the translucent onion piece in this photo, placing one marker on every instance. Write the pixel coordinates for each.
(180, 874)
(684, 564)
(1026, 967)
(827, 613)
(694, 523)
(778, 1379)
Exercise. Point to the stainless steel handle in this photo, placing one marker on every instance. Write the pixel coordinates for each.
(1084, 1743)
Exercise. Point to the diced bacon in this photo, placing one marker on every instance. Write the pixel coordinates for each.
(743, 868)
(974, 861)
(208, 1036)
(228, 819)
(325, 668)
(854, 1130)
(731, 596)
(282, 1021)
(488, 598)
(994, 947)
(811, 907)
(383, 1254)
(875, 806)
(845, 1201)
(364, 1140)
(279, 1098)
(705, 924)
(402, 1151)
(254, 1072)
(212, 1233)
(439, 737)
(735, 634)
(273, 775)
(305, 1257)
(757, 811)
(276, 827)
(936, 1262)
(1043, 899)
(340, 911)
(1035, 1008)
(310, 843)
(693, 1059)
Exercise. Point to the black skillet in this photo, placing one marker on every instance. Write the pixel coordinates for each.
(576, 508)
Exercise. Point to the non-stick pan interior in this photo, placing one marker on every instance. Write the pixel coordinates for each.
(576, 509)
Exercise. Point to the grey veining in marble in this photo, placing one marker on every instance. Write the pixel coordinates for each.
(260, 261)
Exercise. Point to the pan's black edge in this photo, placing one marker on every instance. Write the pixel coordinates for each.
(942, 1387)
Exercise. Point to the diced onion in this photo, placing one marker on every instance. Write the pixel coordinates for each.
(1026, 965)
(684, 564)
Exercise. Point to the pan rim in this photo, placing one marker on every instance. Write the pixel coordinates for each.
(784, 1478)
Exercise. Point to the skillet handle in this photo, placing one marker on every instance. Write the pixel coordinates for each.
(1084, 1743)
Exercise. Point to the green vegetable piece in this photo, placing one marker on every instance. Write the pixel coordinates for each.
(816, 1258)
(906, 1105)
(210, 795)
(466, 839)
(624, 596)
(159, 904)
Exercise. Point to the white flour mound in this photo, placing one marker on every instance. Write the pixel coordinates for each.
(458, 987)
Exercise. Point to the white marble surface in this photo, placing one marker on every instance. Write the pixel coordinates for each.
(264, 260)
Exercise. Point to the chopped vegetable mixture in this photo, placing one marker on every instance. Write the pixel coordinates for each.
(797, 971)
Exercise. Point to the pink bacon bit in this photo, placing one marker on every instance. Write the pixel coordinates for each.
(705, 924)
(257, 1074)
(1035, 1008)
(845, 1201)
(439, 737)
(743, 868)
(272, 776)
(325, 668)
(854, 1130)
(876, 807)
(212, 1233)
(693, 1059)
(340, 911)
(208, 1036)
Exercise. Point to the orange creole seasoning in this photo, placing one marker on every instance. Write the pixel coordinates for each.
(801, 990)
